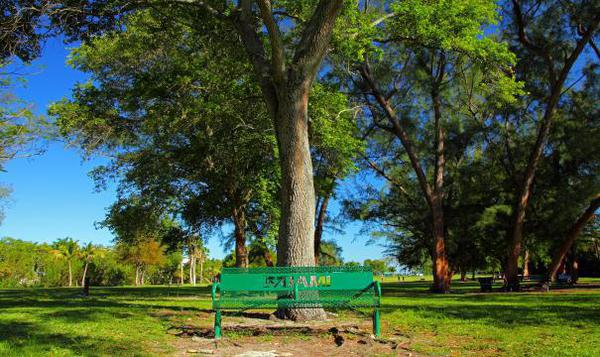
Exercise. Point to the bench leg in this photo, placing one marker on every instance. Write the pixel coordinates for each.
(218, 324)
(376, 323)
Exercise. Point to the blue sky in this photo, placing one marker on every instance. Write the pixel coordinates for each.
(53, 196)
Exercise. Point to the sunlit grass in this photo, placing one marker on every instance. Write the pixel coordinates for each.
(129, 321)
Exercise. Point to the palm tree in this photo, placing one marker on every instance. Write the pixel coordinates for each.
(87, 253)
(68, 249)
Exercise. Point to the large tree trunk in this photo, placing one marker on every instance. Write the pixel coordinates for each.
(572, 235)
(319, 226)
(556, 83)
(285, 86)
(241, 253)
(295, 246)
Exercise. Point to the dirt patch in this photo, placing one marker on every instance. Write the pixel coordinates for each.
(269, 338)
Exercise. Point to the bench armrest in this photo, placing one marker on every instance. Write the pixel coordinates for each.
(215, 287)
(377, 287)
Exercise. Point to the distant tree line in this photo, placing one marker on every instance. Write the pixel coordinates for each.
(65, 262)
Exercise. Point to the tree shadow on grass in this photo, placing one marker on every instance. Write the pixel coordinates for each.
(503, 309)
(101, 298)
(25, 338)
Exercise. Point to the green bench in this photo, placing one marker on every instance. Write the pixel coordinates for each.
(296, 287)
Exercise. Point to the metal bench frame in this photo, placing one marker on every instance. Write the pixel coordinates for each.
(298, 288)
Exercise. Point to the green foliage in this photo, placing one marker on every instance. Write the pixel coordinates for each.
(17, 263)
(330, 254)
(20, 127)
(379, 266)
(450, 25)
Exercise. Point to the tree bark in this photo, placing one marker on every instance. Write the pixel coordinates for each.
(441, 279)
(556, 89)
(319, 226)
(572, 235)
(295, 246)
(241, 253)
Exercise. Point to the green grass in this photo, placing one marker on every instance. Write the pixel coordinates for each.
(134, 321)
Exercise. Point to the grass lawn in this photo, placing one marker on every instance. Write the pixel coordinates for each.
(134, 321)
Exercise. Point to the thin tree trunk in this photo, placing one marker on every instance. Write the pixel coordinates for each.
(574, 270)
(434, 196)
(201, 268)
(267, 257)
(137, 275)
(441, 279)
(70, 273)
(195, 260)
(181, 277)
(241, 252)
(572, 235)
(85, 268)
(556, 84)
(319, 226)
(191, 257)
(526, 264)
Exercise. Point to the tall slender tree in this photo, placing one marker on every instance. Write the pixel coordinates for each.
(549, 40)
(67, 249)
(427, 56)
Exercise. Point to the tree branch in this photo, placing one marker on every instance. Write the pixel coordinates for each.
(520, 21)
(400, 132)
(277, 53)
(315, 37)
(246, 27)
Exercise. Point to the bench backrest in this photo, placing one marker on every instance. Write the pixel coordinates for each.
(296, 287)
